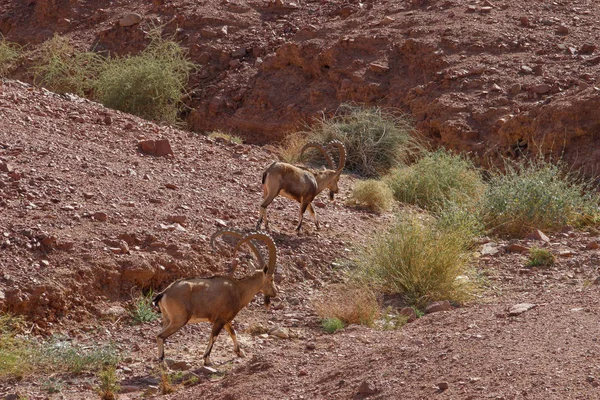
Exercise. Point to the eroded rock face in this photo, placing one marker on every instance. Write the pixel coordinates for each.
(476, 78)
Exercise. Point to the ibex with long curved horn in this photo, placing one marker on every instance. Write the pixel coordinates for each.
(300, 184)
(217, 299)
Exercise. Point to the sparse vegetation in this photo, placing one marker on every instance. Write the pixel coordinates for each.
(150, 84)
(332, 325)
(289, 149)
(391, 320)
(375, 140)
(62, 69)
(141, 310)
(225, 136)
(166, 386)
(350, 304)
(540, 257)
(372, 194)
(417, 260)
(21, 355)
(9, 54)
(109, 384)
(437, 179)
(537, 194)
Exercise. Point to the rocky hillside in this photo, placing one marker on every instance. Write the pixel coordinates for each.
(493, 78)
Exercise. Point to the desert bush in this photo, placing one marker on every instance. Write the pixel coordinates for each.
(332, 325)
(62, 69)
(350, 304)
(417, 260)
(141, 310)
(16, 351)
(290, 147)
(375, 140)
(109, 384)
(436, 179)
(9, 55)
(62, 355)
(150, 84)
(537, 194)
(540, 257)
(372, 194)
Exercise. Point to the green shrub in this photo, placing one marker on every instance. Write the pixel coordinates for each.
(109, 384)
(348, 303)
(62, 69)
(375, 140)
(540, 257)
(16, 351)
(332, 325)
(417, 260)
(141, 310)
(391, 320)
(9, 54)
(434, 180)
(372, 194)
(537, 194)
(63, 355)
(150, 84)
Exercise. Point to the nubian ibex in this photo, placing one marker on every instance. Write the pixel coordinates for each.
(300, 184)
(217, 299)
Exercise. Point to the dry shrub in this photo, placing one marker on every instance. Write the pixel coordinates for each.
(348, 303)
(372, 194)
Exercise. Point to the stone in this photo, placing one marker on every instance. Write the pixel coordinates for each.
(438, 306)
(537, 235)
(587, 49)
(367, 388)
(542, 88)
(516, 248)
(100, 216)
(158, 148)
(282, 333)
(409, 313)
(519, 309)
(593, 245)
(490, 249)
(130, 19)
(443, 386)
(180, 366)
(562, 30)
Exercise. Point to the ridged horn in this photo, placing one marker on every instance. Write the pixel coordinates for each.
(322, 149)
(239, 235)
(342, 149)
(266, 239)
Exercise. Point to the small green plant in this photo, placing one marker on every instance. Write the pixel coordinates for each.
(52, 385)
(537, 194)
(418, 312)
(165, 386)
(62, 69)
(141, 310)
(16, 352)
(437, 179)
(150, 84)
(9, 55)
(418, 261)
(348, 303)
(540, 257)
(375, 140)
(373, 194)
(332, 325)
(67, 356)
(225, 136)
(109, 383)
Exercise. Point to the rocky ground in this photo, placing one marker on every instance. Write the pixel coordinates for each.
(87, 220)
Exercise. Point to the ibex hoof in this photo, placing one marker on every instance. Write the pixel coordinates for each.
(207, 362)
(241, 353)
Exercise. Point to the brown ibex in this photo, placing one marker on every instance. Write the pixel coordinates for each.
(217, 299)
(301, 184)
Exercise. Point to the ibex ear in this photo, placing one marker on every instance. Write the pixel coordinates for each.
(266, 269)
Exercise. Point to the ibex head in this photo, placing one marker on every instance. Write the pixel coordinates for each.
(333, 184)
(268, 288)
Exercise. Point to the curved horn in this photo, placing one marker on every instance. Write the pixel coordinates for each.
(239, 235)
(319, 147)
(270, 245)
(342, 149)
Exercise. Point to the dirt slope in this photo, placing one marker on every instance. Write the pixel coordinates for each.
(88, 220)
